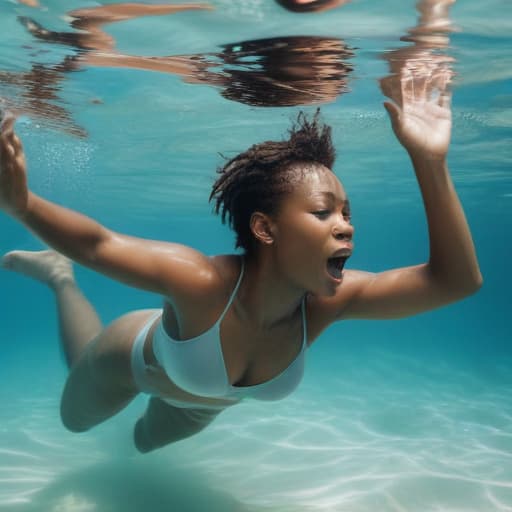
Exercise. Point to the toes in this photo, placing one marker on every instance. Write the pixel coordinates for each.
(13, 259)
(7, 260)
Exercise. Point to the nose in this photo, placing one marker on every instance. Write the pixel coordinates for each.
(343, 229)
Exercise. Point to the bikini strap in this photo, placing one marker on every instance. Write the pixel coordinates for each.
(235, 290)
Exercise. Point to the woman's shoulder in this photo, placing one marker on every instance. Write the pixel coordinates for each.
(208, 285)
(226, 269)
(209, 275)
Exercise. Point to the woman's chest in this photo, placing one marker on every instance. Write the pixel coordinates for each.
(254, 356)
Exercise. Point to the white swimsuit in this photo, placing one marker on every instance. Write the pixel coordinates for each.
(197, 365)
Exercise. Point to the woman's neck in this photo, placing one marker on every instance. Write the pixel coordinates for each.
(266, 298)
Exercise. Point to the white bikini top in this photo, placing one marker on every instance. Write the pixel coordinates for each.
(197, 365)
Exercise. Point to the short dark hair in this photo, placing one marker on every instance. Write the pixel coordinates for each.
(257, 179)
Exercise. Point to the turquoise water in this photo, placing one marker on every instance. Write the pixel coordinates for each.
(409, 415)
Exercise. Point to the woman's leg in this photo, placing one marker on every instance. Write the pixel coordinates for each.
(163, 424)
(78, 321)
(100, 382)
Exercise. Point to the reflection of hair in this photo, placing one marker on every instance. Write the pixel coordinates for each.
(283, 71)
(309, 7)
(273, 72)
(257, 179)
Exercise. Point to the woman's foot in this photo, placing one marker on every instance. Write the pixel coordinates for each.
(48, 267)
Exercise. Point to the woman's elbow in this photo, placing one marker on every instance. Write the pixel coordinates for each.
(467, 286)
(476, 284)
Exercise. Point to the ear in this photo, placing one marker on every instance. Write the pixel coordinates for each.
(262, 228)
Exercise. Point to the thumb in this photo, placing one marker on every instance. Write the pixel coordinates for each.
(393, 110)
(395, 113)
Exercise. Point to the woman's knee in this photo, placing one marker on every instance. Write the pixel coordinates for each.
(89, 398)
(163, 424)
(74, 423)
(81, 415)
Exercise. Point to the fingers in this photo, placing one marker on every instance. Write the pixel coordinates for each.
(394, 112)
(445, 99)
(442, 78)
(7, 124)
(10, 145)
(420, 82)
(16, 143)
(7, 134)
(407, 84)
(440, 93)
(7, 157)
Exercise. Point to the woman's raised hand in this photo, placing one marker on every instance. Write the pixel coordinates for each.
(419, 84)
(13, 172)
(420, 111)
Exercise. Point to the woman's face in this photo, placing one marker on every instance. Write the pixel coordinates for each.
(312, 231)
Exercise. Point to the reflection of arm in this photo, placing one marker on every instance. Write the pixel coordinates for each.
(434, 21)
(174, 65)
(89, 22)
(428, 36)
(126, 11)
(191, 69)
(421, 118)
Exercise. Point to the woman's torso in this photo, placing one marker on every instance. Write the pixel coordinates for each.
(251, 356)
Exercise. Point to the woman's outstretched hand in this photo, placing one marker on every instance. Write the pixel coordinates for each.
(13, 172)
(420, 111)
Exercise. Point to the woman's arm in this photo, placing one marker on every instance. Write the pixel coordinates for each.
(423, 126)
(165, 268)
(421, 118)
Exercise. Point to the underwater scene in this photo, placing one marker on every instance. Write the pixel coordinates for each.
(126, 111)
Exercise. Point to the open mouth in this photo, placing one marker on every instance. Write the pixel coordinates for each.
(335, 266)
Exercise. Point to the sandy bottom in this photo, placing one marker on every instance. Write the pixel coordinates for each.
(385, 435)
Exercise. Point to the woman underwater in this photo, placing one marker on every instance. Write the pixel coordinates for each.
(238, 326)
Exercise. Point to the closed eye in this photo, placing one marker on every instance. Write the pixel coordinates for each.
(321, 214)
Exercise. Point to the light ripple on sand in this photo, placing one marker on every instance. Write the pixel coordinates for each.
(21, 469)
(342, 452)
(24, 496)
(499, 503)
(36, 438)
(17, 453)
(416, 457)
